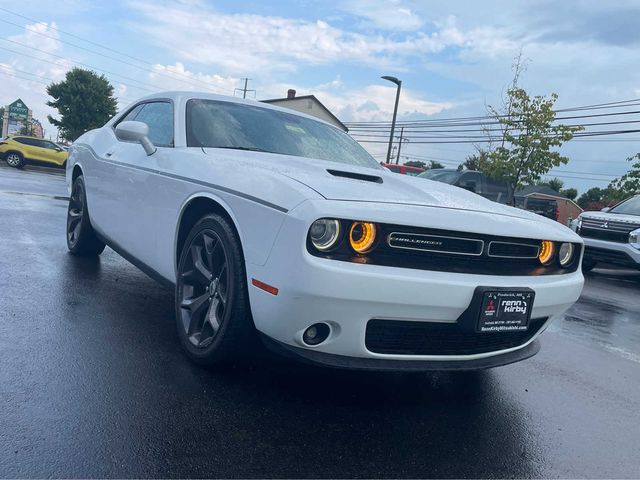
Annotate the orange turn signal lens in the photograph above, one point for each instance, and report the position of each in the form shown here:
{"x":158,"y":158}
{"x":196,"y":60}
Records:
{"x":362,"y":236}
{"x":546,"y":252}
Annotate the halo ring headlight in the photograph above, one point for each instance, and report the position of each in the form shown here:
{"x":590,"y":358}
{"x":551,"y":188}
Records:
{"x":547,"y":249}
{"x":362,"y":236}
{"x":565,"y":254}
{"x":324,"y":234}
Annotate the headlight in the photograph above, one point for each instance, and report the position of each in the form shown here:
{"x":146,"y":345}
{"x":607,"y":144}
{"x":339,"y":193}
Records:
{"x":634,"y":238}
{"x":565,"y":254}
{"x":546,"y":252}
{"x":362,"y":236}
{"x":324,"y":234}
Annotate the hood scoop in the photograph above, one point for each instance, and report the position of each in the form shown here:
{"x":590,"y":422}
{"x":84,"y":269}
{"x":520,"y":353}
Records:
{"x":355,"y":176}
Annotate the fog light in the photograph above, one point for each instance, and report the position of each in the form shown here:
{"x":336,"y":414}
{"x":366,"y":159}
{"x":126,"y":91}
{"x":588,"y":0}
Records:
{"x":316,"y":334}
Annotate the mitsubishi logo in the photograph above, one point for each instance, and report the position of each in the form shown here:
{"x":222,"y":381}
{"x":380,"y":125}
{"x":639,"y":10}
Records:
{"x":605,"y":225}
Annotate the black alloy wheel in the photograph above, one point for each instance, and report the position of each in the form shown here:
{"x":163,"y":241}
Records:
{"x":204,"y":282}
{"x":81,"y":238}
{"x":212,"y":312}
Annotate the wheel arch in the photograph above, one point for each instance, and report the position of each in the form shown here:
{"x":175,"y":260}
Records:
{"x":77,"y":171}
{"x":195,"y":208}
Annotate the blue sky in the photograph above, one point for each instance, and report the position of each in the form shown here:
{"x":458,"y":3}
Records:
{"x":453,"y":57}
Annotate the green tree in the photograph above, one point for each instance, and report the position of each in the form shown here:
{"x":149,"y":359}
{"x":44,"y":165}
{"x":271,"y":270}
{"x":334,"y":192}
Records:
{"x":475,"y":161}
{"x":26,"y":130}
{"x":521,"y":152}
{"x":629,"y":183}
{"x":596,"y":198}
{"x":84,"y":100}
{"x":434,"y":164}
{"x":416,"y":163}
{"x":555,"y":184}
{"x":570,"y":193}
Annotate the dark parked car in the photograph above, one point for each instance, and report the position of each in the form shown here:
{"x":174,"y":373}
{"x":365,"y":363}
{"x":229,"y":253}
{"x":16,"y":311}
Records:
{"x":404,"y":169}
{"x":473,"y":181}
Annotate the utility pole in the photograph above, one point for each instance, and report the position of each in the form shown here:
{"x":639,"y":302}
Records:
{"x":244,"y":90}
{"x":400,"y":145}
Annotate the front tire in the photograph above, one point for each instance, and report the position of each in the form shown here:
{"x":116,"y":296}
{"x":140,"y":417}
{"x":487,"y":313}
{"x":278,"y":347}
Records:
{"x":81,"y":238}
{"x":15,"y":160}
{"x":213,"y":317}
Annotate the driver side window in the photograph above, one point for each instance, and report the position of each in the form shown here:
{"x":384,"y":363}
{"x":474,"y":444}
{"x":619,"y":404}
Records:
{"x":159,"y":118}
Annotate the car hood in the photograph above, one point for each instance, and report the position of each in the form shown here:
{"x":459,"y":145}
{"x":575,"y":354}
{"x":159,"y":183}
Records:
{"x":351,"y":184}
{"x":337,"y":181}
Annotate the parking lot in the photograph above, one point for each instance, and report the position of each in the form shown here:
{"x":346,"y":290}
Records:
{"x":93,"y":383}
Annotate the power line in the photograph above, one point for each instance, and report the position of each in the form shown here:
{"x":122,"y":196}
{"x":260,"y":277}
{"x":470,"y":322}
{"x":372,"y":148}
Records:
{"x":74,"y":63}
{"x":188,"y":80}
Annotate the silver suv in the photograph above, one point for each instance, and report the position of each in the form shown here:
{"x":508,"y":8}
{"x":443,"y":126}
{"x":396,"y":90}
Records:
{"x":611,"y":236}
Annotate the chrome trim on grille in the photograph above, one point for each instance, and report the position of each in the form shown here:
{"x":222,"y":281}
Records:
{"x":512,"y":256}
{"x":479,"y":242}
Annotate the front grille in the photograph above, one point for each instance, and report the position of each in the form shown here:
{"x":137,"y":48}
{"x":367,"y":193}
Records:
{"x":610,"y":230}
{"x":513,"y":250}
{"x":436,"y":243}
{"x":453,"y":251}
{"x":428,"y":338}
{"x":609,"y":256}
{"x":608,"y":235}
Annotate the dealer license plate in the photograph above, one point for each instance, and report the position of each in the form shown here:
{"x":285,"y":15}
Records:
{"x":505,"y":311}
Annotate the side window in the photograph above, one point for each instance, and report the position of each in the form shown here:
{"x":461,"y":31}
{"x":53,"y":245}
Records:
{"x":471,"y":181}
{"x":159,"y":118}
{"x":28,"y":141}
{"x":132,"y":113}
{"x":497,"y":191}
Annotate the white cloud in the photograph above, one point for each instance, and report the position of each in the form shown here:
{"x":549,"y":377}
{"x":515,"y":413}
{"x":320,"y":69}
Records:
{"x":26,"y":78}
{"x":388,"y":15}
{"x":240,"y":42}
{"x":177,"y":77}
{"x":370,"y":103}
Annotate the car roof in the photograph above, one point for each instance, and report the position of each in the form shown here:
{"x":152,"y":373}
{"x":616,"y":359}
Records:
{"x":184,"y":96}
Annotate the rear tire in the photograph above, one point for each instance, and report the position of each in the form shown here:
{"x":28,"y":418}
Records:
{"x":15,"y":160}
{"x":81,"y":237}
{"x":213,"y":317}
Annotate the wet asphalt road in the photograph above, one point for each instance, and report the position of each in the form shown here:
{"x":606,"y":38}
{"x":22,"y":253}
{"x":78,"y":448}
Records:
{"x":93,"y":383}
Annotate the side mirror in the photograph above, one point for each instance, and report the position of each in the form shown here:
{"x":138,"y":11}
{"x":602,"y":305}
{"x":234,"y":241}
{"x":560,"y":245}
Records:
{"x":605,"y":209}
{"x":137,"y":132}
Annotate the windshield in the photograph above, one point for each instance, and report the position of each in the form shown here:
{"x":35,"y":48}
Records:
{"x":217,"y":124}
{"x":628,"y":207}
{"x":441,"y":175}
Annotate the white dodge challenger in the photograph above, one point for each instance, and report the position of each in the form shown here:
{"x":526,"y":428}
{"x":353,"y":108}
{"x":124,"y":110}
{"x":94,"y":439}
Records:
{"x":273,"y":224}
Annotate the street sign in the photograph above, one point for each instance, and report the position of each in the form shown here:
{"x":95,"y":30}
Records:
{"x":18,"y":110}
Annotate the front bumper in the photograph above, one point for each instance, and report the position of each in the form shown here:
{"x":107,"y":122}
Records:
{"x":383,"y":364}
{"x":346,"y":296}
{"x":611,"y":253}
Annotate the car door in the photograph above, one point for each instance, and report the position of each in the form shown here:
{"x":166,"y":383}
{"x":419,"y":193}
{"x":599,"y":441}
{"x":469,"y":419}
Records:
{"x":135,"y":185}
{"x":30,"y":149}
{"x":49,"y":152}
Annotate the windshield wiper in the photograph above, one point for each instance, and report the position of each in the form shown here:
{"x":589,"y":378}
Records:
{"x":250,"y":149}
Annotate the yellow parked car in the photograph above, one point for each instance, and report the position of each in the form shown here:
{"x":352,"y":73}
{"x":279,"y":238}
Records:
{"x":17,"y":150}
